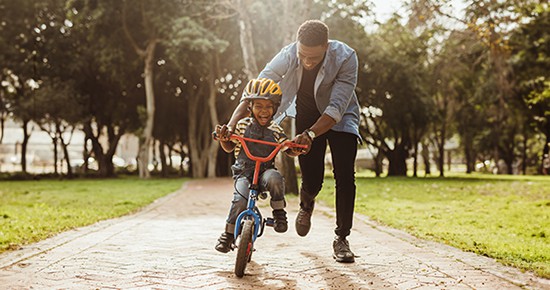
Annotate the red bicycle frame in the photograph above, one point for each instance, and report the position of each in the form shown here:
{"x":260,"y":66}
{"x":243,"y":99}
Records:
{"x":260,"y":160}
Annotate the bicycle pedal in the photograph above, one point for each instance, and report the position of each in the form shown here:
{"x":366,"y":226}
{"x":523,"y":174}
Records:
{"x":263,"y":195}
{"x":270,"y":222}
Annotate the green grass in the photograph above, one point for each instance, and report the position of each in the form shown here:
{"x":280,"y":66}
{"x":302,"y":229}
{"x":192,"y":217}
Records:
{"x":34,"y":210}
{"x":504,"y":217}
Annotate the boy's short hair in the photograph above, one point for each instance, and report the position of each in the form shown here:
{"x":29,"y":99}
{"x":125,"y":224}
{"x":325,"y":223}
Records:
{"x":312,"y":33}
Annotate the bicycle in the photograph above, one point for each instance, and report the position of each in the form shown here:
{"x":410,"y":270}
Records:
{"x":250,"y":224}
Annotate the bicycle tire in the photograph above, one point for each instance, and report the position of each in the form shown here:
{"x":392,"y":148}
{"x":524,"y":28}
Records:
{"x":244,"y":248}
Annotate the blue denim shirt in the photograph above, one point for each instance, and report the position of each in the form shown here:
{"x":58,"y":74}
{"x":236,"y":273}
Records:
{"x":334,"y":88}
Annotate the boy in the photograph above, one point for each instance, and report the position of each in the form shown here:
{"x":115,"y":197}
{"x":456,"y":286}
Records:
{"x":263,"y":97}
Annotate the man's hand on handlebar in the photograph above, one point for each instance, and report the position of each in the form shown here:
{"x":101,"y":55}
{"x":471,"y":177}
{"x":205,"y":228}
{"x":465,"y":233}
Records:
{"x":224,"y":132}
{"x":304,"y":140}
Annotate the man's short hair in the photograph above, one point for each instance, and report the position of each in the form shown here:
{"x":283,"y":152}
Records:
{"x":312,"y":33}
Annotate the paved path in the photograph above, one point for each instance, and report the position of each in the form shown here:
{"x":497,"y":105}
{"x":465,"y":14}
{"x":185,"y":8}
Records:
{"x":169,"y":245}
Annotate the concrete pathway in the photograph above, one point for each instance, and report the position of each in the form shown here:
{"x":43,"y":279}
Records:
{"x":170,"y":245}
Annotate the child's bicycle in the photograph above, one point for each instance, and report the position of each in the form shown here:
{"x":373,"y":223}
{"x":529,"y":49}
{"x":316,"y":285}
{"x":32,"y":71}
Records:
{"x":250,"y":224}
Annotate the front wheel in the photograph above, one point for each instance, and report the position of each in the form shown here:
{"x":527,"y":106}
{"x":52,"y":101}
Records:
{"x":245,"y":247}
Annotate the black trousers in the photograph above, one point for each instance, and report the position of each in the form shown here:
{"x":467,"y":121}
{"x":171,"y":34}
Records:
{"x":343,"y":148}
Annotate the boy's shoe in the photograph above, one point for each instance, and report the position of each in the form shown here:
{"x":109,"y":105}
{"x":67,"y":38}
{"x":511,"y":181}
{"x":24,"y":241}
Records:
{"x":281,"y":224}
{"x":225,"y":242}
{"x":342,"y":253}
{"x":303,"y":222}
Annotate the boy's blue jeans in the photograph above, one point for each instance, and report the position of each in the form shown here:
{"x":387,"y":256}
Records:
{"x":270,"y":180}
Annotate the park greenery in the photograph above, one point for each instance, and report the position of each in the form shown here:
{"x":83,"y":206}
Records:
{"x":34,"y":210}
{"x":168,"y":71}
{"x":502,"y":217}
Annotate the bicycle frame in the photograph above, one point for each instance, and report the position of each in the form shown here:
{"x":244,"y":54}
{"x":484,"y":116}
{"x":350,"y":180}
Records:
{"x":254,"y":187}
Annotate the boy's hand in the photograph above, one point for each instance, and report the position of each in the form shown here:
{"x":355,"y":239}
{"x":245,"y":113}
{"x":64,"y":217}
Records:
{"x":224,"y":132}
{"x":304,"y":140}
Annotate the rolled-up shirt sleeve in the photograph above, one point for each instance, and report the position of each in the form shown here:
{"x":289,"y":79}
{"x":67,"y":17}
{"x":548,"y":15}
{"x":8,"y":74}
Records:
{"x":343,"y":88}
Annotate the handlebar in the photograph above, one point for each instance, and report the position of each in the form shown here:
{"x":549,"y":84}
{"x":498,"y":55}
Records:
{"x":278,"y":146}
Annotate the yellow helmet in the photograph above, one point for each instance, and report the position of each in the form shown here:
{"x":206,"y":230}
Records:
{"x":265,"y":89}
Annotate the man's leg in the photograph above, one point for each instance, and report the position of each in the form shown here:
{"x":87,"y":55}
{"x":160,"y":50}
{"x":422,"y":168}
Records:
{"x":343,"y":147}
{"x":312,"y":166}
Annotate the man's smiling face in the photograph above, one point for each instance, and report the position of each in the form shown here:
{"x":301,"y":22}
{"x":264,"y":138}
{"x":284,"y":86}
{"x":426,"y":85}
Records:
{"x":310,"y":56}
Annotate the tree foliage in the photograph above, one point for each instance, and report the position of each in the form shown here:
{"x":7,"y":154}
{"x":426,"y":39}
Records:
{"x":83,"y":64}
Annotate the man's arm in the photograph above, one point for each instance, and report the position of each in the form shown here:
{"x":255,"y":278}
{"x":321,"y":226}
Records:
{"x":240,"y":112}
{"x":225,"y":131}
{"x":323,"y":124}
{"x":343,"y":89}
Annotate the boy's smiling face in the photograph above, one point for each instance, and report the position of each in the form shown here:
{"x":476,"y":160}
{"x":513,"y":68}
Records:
{"x":263,"y":111}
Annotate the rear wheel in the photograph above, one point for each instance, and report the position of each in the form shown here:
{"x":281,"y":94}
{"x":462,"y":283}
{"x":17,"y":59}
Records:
{"x":245,"y":247}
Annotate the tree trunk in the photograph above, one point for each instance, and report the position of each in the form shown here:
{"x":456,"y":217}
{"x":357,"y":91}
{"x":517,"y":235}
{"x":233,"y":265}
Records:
{"x":194,"y":113}
{"x":441,"y":155}
{"x":426,"y":158}
{"x":54,"y":132}
{"x":415,"y":159}
{"x":147,"y":137}
{"x":153,"y":158}
{"x":26,"y":137}
{"x":64,"y":146}
{"x":67,"y":158}
{"x":106,"y":167}
{"x":213,"y":147}
{"x":170,"y":153}
{"x":545,"y":151}
{"x":378,"y":164}
{"x":2,"y":126}
{"x":86,"y":155}
{"x":524,"y":153}
{"x":55,"y":155}
{"x":104,"y":159}
{"x":397,"y":159}
{"x":147,"y":55}
{"x":182,"y":157}
{"x":163,"y":164}
{"x":247,"y":43}
{"x":201,"y":113}
{"x":468,"y":153}
{"x":449,"y":160}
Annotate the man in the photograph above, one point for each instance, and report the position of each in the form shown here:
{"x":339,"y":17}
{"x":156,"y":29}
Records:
{"x":319,"y":76}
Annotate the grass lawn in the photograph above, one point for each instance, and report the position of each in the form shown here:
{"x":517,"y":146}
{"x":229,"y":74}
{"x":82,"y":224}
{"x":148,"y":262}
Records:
{"x":504,"y":217}
{"x":34,"y":210}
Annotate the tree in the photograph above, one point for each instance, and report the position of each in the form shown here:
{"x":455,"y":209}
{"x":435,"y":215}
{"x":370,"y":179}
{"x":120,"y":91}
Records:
{"x":147,"y":53}
{"x":18,"y":43}
{"x":58,"y":114}
{"x":109,"y":83}
{"x":531,"y":59}
{"x":395,"y":67}
{"x":490,"y":23}
{"x":56,"y":109}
